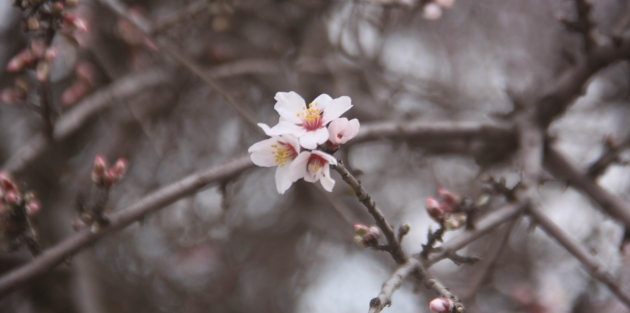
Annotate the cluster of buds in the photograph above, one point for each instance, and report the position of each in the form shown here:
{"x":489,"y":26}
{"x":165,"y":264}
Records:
{"x":16,"y":210}
{"x":449,"y":211}
{"x":433,"y":9}
{"x":366,"y":236}
{"x":45,"y":17}
{"x":82,"y":86}
{"x":102,"y":176}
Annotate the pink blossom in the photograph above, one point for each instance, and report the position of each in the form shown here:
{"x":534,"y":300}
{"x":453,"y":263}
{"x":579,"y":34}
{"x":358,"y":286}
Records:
{"x":341,"y":130}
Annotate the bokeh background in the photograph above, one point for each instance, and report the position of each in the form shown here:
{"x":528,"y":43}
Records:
{"x":241,"y":247}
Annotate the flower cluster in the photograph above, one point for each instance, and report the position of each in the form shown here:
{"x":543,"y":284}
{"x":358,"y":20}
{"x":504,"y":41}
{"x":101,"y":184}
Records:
{"x":16,"y":210}
{"x":449,"y":211}
{"x":432,"y":10}
{"x":300,"y":141}
{"x":44,"y":18}
{"x":104,"y":177}
{"x":366,"y":236}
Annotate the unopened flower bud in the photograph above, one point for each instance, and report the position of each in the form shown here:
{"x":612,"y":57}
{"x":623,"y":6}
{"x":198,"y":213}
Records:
{"x":12,"y":197}
{"x":6,"y":183}
{"x":42,"y":72}
{"x":432,"y":11}
{"x":449,"y":196}
{"x":38,"y":48}
{"x":441,"y":305}
{"x":33,"y":207}
{"x":445,"y":3}
{"x":403,"y":230}
{"x":33,"y":23}
{"x":118,"y":171}
{"x":361,"y":230}
{"x":434,"y":209}
{"x":75,"y":93}
{"x":51,"y":54}
{"x":100,"y":164}
{"x":57,"y":8}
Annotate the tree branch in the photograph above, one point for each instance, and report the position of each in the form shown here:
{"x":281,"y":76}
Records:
{"x":592,"y":265}
{"x":384,"y":298}
{"x":71,"y":121}
{"x":121,"y":219}
{"x":561,"y":167}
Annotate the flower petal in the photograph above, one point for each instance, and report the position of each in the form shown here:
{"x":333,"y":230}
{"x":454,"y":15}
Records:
{"x":351,"y":130}
{"x":292,"y":140}
{"x":311,"y":139}
{"x":284,"y":128}
{"x":289,"y":105}
{"x":327,"y":182}
{"x":298,"y":166}
{"x":283,"y":178}
{"x":322,"y":101}
{"x":262,"y":152}
{"x":335,"y":128}
{"x":329,"y":158}
{"x":265,"y":128}
{"x":335,"y":108}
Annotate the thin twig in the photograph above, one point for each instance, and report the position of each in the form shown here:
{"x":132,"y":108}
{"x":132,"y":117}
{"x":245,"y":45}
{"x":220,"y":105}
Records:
{"x":381,"y":222}
{"x":384,"y":298}
{"x":165,"y":45}
{"x":179,"y":16}
{"x":592,"y":265}
{"x":121,"y":219}
{"x":71,"y":121}
{"x":610,"y":156}
{"x":561,"y":167}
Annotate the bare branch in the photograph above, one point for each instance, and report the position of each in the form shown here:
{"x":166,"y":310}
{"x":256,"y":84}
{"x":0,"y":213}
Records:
{"x":384,"y":298}
{"x":71,"y":121}
{"x":610,"y":156}
{"x":561,"y":167}
{"x":592,"y":265}
{"x":381,"y":222}
{"x":165,"y":45}
{"x":121,"y":219}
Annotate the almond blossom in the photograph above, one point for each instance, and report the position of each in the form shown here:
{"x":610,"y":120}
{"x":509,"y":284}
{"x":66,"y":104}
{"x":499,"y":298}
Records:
{"x":308,"y":124}
{"x":341,"y":131}
{"x":278,"y":151}
{"x":313,"y":166}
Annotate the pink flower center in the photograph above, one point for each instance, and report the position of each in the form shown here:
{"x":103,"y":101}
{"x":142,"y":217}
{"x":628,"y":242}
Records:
{"x":315,"y":164}
{"x":284,"y":153}
{"x":311,"y":117}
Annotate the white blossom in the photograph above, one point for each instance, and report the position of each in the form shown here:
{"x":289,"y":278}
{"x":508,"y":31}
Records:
{"x":308,"y":124}
{"x":313,"y":166}
{"x":280,"y":151}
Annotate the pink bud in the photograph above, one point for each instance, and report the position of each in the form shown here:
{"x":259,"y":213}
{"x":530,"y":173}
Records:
{"x":15,"y":65}
{"x":120,"y":168}
{"x":51,"y":54}
{"x":434,"y":209}
{"x":12,"y":197}
{"x":432,"y":11}
{"x":75,"y":22}
{"x":86,"y":71}
{"x":449,"y":196}
{"x":361,"y":230}
{"x":6,"y":183}
{"x":100,"y":164}
{"x":440,"y":305}
{"x":445,"y":3}
{"x":33,"y":207}
{"x":38,"y":48}
{"x":341,"y":130}
{"x":57,"y":8}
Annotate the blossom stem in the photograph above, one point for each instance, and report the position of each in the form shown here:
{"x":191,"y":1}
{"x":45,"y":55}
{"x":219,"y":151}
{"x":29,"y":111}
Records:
{"x":381,"y":222}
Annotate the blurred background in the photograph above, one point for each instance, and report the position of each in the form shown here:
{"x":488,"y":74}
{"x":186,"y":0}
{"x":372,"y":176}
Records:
{"x":242,"y":247}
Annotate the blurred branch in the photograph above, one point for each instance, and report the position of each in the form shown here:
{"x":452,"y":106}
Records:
{"x":592,"y":265}
{"x":610,"y":156}
{"x":584,"y":24}
{"x":169,"y":48}
{"x":121,"y":219}
{"x":71,"y":121}
{"x":179,"y":16}
{"x":561,"y":167}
